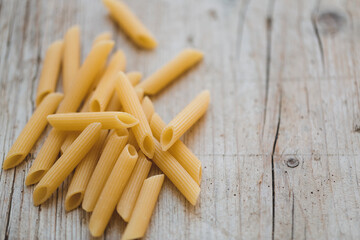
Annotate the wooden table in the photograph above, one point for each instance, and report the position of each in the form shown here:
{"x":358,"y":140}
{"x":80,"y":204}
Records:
{"x":280,"y":143}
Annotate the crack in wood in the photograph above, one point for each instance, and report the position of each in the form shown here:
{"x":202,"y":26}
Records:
{"x":317,"y":34}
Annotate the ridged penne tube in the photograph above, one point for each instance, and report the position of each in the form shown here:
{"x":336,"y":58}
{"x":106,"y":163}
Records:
{"x":144,"y":208}
{"x":179,"y":150}
{"x":66,"y":163}
{"x":46,"y":157}
{"x":139,"y":93}
{"x":112,"y":191}
{"x":85,"y":76}
{"x":184,"y":120}
{"x":131,"y":25}
{"x":105,"y":88}
{"x":148,"y":108}
{"x":50,"y":71}
{"x":70,"y":138}
{"x":106,"y":36}
{"x":132,"y":140}
{"x":32,"y":131}
{"x":176,"y":173}
{"x":83,"y":173}
{"x":131,"y":104}
{"x":131,"y":192}
{"x":170,"y":71}
{"x":113,"y":146}
{"x":79,"y":121}
{"x":114,"y":103}
{"x":71,"y":58}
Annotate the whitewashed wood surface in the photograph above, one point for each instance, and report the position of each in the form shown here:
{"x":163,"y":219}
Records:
{"x":280,"y":143}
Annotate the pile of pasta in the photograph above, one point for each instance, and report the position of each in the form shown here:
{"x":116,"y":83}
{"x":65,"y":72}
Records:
{"x":111,"y":142}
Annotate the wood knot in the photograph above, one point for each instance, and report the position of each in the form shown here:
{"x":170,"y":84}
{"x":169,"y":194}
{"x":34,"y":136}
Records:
{"x":213,"y":14}
{"x":292,"y":162}
{"x":331,"y":22}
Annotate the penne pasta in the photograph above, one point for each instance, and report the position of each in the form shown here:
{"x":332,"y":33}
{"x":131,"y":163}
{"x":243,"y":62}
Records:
{"x":178,"y":150}
{"x":66,"y":163}
{"x":131,"y":192}
{"x":184,"y":120}
{"x":70,"y":138}
{"x":170,"y":71}
{"x":79,"y":121}
{"x":113,"y":146}
{"x":83,"y":173}
{"x":176,"y":173}
{"x":102,"y":37}
{"x":71,"y":58}
{"x":112,"y":191}
{"x":139,"y":93}
{"x":50,"y":71}
{"x":132,"y":140}
{"x":144,"y":208}
{"x":130,"y":24}
{"x":131,"y":104}
{"x":46,"y":157}
{"x":85,"y":76}
{"x":105,"y":88}
{"x":114,"y":103}
{"x":148,"y":108}
{"x":32,"y":131}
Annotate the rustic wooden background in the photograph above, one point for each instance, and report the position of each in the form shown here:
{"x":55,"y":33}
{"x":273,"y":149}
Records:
{"x":280,"y":143}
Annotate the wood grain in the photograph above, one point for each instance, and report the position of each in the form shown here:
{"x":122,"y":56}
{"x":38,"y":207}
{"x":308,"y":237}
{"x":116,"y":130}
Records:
{"x":280,"y":144}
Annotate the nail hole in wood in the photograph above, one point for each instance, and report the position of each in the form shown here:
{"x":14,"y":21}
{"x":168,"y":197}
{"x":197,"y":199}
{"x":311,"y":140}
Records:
{"x":292,"y":162}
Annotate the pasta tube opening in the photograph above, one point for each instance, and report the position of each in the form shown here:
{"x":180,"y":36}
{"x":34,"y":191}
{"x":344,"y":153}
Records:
{"x":13,"y":160}
{"x":40,"y":195}
{"x":167,"y":137}
{"x":73,"y":201}
{"x":95,"y":106}
{"x":34,"y":177}
{"x":148,"y":145}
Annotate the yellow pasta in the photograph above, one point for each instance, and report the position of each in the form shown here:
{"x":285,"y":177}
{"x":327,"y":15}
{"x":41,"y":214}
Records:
{"x":70,"y":138}
{"x":179,"y":150}
{"x":105,"y":88}
{"x":169,"y":72}
{"x":79,"y":121}
{"x":114,"y":103}
{"x":85,"y":76}
{"x":130,"y":24}
{"x":144,"y":208}
{"x":101,"y":37}
{"x":46,"y":157}
{"x":50,"y":71}
{"x":176,"y":173}
{"x":148,"y":108}
{"x":32,"y":131}
{"x":83,"y":173}
{"x":131,"y":104}
{"x":184,"y":120}
{"x":114,"y":144}
{"x":132,"y":140}
{"x":66,"y":163}
{"x":71,"y":58}
{"x":139,"y":93}
{"x":131,"y":192}
{"x":112,"y":191}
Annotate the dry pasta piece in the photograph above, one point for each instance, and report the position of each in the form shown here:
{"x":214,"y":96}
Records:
{"x":85,"y":76}
{"x":144,"y":208}
{"x":32,"y":131}
{"x":46,"y":157}
{"x":184,"y":120}
{"x":148,"y":108}
{"x":79,"y":121}
{"x":50,"y":71}
{"x":101,"y":37}
{"x":131,"y":104}
{"x":139,"y":93}
{"x":131,"y":192}
{"x":130,"y":24}
{"x":179,"y":150}
{"x":176,"y":173}
{"x":105,"y":88}
{"x":71,"y":58}
{"x":113,"y":146}
{"x":70,"y":138}
{"x":71,"y":103}
{"x":112,"y":191}
{"x":114,"y":103}
{"x":170,"y":71}
{"x":132,"y":140}
{"x":66,"y":163}
{"x":83,"y":173}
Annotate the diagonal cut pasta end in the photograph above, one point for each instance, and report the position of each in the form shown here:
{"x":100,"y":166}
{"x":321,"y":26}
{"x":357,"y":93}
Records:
{"x":167,"y":138}
{"x":147,"y":146}
{"x":73,"y":200}
{"x":126,"y":120}
{"x":40,"y":195}
{"x":13,"y":160}
{"x":34,"y":177}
